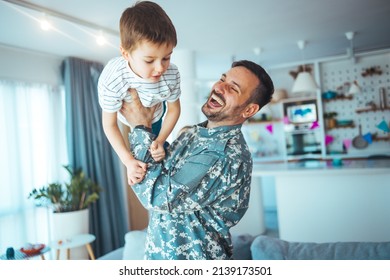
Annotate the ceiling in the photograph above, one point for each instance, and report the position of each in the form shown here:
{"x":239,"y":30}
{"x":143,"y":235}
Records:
{"x":211,"y":28}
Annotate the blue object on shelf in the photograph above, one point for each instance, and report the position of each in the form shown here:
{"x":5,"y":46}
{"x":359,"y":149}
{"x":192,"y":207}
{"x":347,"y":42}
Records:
{"x":329,"y":94}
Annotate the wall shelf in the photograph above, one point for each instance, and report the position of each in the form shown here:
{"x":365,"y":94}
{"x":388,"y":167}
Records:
{"x":377,"y":139}
{"x":252,"y":121}
{"x":365,"y":110}
{"x":338,"y":98}
{"x":341,"y":126}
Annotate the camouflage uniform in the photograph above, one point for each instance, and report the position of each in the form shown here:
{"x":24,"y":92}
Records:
{"x":196,"y":194}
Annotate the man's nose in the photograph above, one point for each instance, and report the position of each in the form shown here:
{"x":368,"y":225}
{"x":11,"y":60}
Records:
{"x":220,"y":87}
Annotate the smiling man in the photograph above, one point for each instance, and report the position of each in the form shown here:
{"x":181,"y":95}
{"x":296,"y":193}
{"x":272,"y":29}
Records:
{"x":202,"y":187}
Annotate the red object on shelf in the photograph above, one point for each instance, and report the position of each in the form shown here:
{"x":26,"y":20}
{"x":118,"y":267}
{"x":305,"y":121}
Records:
{"x":35,"y":249}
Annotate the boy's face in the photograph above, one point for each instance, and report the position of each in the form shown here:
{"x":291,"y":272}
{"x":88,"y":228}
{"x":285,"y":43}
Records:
{"x":148,"y":60}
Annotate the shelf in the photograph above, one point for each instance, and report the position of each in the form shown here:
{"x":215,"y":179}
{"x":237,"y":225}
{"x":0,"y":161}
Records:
{"x":337,"y":98}
{"x":365,"y":110}
{"x":377,"y":139}
{"x":341,"y":126}
{"x":263,"y":122}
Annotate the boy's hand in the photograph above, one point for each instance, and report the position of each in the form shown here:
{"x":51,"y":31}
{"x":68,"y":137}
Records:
{"x":157,"y":151}
{"x":136,"y":171}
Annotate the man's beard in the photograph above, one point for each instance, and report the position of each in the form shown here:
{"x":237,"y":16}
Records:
{"x":221,"y":115}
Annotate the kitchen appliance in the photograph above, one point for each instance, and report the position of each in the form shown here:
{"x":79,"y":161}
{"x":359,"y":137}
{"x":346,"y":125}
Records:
{"x":301,"y":136}
{"x":359,"y":142}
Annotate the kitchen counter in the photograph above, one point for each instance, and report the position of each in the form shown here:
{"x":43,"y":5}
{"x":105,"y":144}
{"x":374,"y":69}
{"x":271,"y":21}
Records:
{"x":309,"y":167}
{"x":319,"y":202}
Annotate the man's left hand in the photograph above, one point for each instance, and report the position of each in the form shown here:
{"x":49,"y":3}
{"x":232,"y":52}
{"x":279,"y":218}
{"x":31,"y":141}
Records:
{"x":135,"y":113}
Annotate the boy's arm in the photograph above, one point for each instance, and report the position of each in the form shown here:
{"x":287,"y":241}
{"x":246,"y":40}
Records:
{"x":170,"y":120}
{"x":135,"y":169}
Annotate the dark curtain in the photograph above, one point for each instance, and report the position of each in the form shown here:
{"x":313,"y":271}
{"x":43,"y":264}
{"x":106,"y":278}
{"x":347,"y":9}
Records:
{"x":89,"y":149}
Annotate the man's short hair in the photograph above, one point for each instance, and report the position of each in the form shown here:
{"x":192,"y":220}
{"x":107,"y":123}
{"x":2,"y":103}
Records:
{"x":262,"y":94}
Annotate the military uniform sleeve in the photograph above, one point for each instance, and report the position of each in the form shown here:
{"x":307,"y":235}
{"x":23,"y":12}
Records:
{"x":204,"y":180}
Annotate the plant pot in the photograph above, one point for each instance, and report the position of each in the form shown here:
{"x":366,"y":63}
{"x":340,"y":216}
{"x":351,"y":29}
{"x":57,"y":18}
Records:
{"x":332,"y":123}
{"x":66,"y":225}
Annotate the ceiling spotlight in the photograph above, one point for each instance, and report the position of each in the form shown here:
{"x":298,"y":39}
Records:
{"x":257,"y":51}
{"x":45,"y":24}
{"x":349,"y":35}
{"x":101,"y":40}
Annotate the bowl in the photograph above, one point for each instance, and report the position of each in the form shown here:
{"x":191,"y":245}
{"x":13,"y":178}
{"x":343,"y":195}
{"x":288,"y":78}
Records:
{"x":329,"y":94}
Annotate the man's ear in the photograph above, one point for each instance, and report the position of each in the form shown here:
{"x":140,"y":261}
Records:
{"x":250,"y":110}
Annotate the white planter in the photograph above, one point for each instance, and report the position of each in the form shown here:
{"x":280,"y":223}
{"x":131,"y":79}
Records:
{"x":66,"y":225}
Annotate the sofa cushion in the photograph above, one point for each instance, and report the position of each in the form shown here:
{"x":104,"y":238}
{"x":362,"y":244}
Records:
{"x":134,"y":248}
{"x":242,"y":246}
{"x":269,"y":248}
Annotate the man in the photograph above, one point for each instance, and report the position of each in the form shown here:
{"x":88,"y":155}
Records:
{"x":202,"y":187}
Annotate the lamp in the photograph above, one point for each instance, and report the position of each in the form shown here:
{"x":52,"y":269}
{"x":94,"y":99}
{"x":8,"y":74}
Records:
{"x":350,"y":52}
{"x":304,"y":83}
{"x":354,"y":89}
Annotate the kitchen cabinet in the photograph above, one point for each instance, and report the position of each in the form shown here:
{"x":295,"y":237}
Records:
{"x":323,"y":203}
{"x":271,"y":140}
{"x":352,"y":110}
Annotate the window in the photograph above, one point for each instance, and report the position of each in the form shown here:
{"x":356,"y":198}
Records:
{"x":33,"y":150}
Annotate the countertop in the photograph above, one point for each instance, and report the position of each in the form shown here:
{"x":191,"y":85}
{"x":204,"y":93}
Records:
{"x":368,"y":166}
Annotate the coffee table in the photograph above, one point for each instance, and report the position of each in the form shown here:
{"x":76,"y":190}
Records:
{"x":75,"y":241}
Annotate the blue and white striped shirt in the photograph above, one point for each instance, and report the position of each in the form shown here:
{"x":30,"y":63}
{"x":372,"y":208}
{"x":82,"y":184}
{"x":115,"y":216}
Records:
{"x":117,"y":77}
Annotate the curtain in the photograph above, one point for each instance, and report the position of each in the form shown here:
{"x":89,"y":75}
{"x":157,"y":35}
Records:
{"x":32,"y":152}
{"x":89,"y":149}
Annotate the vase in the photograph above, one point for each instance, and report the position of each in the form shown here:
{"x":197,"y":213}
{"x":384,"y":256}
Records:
{"x":64,"y":226}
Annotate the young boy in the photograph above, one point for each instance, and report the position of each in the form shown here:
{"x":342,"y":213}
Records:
{"x":147,"y":41}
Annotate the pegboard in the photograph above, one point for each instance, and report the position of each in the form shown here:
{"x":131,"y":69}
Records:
{"x":372,"y":73}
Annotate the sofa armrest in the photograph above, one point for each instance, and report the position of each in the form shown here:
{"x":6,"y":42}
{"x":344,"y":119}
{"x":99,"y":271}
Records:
{"x":113,"y":255}
{"x":269,"y":248}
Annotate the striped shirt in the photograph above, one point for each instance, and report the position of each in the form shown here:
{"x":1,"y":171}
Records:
{"x":117,"y":77}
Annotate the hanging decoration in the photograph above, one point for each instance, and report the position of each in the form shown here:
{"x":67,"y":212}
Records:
{"x":347,"y":143}
{"x":328,"y":139}
{"x":270,"y":128}
{"x":383,"y":126}
{"x":368,"y":137}
{"x":314,"y":125}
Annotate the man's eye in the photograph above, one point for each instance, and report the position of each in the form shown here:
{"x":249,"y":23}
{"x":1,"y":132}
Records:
{"x":234,"y":89}
{"x":149,"y":61}
{"x":166,"y":58}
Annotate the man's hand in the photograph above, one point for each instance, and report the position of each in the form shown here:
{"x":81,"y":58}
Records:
{"x":135,"y":113}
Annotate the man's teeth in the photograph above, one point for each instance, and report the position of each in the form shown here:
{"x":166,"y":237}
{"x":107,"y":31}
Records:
{"x":219,"y":100}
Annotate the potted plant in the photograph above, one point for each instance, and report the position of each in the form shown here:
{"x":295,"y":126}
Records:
{"x":78,"y":194}
{"x":69,"y":203}
{"x":330,"y":121}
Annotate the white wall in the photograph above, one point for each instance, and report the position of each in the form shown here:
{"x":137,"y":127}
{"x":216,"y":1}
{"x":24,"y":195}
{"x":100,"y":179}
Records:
{"x":28,"y":66}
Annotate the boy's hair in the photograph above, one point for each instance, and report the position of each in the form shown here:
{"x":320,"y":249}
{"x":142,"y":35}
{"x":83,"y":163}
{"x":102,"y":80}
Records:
{"x":263,"y":92}
{"x":146,"y":20}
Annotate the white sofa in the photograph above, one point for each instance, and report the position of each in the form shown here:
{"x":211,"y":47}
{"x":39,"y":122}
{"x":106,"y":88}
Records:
{"x":261,"y":247}
{"x":135,"y":245}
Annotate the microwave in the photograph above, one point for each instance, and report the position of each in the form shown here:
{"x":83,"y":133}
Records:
{"x":301,"y":112}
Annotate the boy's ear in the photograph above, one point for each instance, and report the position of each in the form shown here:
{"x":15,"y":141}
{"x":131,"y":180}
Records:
{"x":250,"y":110}
{"x":124,"y":53}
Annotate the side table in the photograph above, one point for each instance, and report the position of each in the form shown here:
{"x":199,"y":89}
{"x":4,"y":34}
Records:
{"x":75,"y":241}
